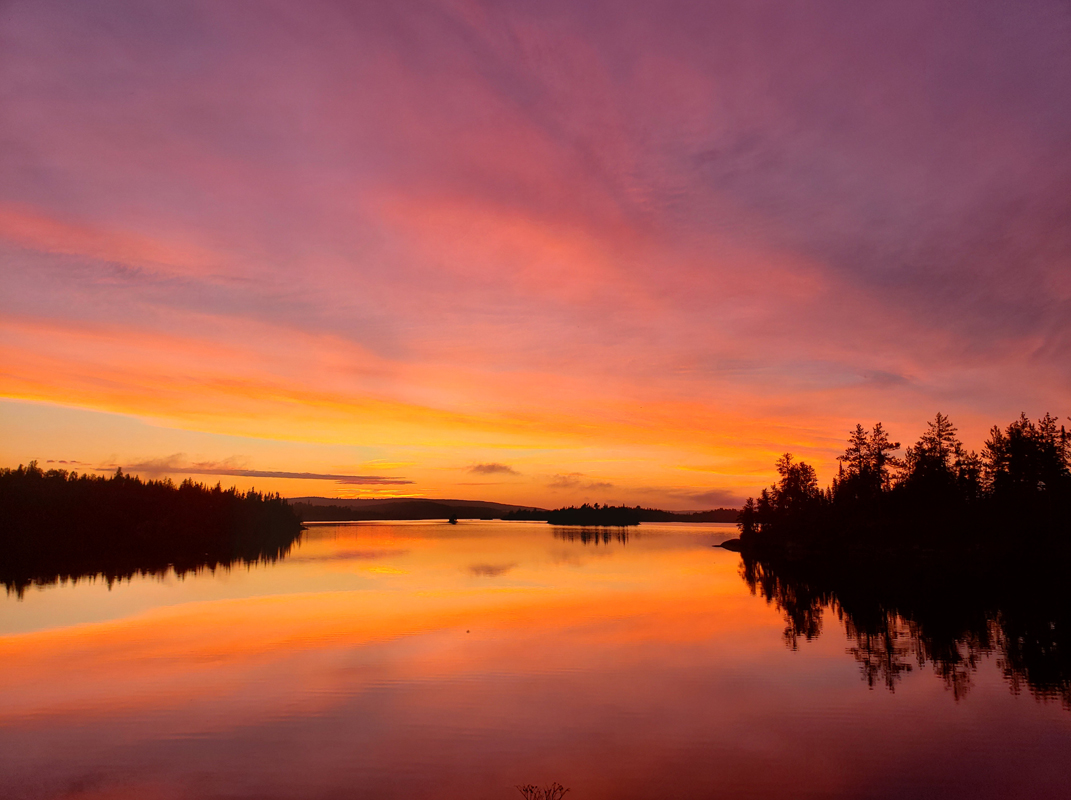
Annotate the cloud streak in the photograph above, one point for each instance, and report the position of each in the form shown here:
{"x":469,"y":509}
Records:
{"x":577,"y":480}
{"x":493,"y":468}
{"x":176,"y":465}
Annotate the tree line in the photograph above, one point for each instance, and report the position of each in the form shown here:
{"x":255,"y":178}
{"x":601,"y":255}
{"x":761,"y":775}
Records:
{"x":936,"y":493}
{"x":60,"y":525}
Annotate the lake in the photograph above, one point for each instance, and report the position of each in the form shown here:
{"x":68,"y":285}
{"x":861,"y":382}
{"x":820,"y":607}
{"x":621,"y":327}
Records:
{"x":427,"y":660}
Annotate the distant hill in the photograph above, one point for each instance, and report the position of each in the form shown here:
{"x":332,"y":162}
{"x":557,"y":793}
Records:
{"x":331,"y":509}
{"x":571,"y":515}
{"x":714,"y":515}
{"x":327,"y":509}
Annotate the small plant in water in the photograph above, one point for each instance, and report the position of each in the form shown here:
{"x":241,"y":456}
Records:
{"x":532,"y":792}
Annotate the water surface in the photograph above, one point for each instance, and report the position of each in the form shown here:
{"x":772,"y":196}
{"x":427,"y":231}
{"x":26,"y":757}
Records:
{"x":423,"y":660}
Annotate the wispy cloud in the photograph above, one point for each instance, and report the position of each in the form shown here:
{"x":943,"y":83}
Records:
{"x":577,"y":480}
{"x":715,"y":498}
{"x":493,"y":468}
{"x":703,"y":251}
{"x":176,"y":464}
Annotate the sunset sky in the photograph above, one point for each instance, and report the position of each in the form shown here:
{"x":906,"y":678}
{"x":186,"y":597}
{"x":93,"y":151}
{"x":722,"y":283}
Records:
{"x":536,"y":253}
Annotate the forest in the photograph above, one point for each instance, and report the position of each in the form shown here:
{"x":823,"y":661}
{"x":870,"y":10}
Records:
{"x":1015,"y":493}
{"x":60,"y":525}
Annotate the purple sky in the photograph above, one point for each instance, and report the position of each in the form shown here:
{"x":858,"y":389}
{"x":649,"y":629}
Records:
{"x":651,"y":245}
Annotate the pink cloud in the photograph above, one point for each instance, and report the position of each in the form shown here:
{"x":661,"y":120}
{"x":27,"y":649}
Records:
{"x":629,"y":222}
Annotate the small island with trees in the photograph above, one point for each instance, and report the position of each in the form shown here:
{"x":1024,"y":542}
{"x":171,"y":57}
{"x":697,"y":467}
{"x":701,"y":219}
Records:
{"x":618,"y":516}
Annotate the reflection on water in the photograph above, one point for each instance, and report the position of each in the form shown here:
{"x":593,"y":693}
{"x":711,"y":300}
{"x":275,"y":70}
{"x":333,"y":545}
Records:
{"x":418,"y":660}
{"x":591,"y":535}
{"x":119,"y":565}
{"x":949,"y":617}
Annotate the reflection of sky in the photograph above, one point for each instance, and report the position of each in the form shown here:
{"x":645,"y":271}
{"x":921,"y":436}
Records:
{"x":636,"y":670}
{"x":393,"y":562}
{"x":606,"y":239}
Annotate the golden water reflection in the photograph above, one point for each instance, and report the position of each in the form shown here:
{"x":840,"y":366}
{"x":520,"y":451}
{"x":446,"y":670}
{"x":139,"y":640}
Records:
{"x":426,"y":660}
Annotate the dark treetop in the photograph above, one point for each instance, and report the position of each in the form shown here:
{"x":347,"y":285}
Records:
{"x":938,"y":497}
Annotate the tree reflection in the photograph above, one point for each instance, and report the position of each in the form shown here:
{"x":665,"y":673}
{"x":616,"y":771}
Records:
{"x":115,"y":568}
{"x":588,"y":535}
{"x":949,"y":618}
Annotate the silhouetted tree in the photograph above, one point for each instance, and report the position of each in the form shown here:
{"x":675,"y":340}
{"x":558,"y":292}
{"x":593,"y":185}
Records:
{"x":866,"y":466}
{"x":939,"y":495}
{"x":798,"y":489}
{"x":931,"y":462}
{"x":791,"y":502}
{"x":1027,"y":459}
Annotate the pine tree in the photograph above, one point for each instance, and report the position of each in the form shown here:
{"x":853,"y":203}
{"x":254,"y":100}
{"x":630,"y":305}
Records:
{"x":880,"y":458}
{"x":932,"y":459}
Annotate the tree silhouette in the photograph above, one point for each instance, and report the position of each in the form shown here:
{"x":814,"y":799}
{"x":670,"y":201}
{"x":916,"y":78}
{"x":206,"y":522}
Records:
{"x":940,"y":494}
{"x":866,"y":465}
{"x":1027,"y":459}
{"x":798,"y":488}
{"x":931,"y":461}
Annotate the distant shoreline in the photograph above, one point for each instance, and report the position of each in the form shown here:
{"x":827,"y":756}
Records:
{"x":400,"y":510}
{"x":57,"y":525}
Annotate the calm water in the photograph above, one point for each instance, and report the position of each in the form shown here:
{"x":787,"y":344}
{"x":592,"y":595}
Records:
{"x":422,"y":660}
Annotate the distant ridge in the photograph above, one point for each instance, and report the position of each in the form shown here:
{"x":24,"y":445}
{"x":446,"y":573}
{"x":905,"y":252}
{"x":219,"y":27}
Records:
{"x":331,"y":509}
{"x":393,"y":501}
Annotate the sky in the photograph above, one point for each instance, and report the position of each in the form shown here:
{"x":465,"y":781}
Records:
{"x":538,"y":253}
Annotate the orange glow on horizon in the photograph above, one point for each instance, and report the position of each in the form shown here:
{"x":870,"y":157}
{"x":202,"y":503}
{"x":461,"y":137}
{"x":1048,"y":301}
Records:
{"x":610,"y":269}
